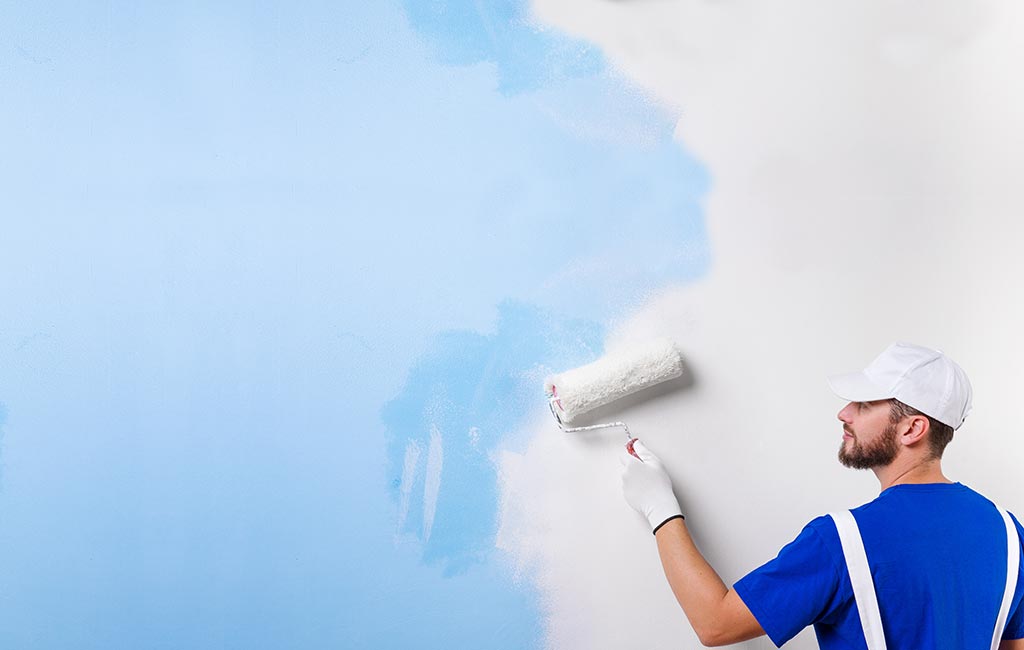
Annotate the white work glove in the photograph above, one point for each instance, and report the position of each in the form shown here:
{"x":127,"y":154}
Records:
{"x":647,"y":487}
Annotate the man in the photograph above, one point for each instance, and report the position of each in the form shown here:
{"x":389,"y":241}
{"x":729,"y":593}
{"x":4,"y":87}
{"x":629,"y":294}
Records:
{"x":941,"y":566}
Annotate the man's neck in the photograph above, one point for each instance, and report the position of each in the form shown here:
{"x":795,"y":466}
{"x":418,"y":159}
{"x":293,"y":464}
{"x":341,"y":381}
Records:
{"x":910,"y":471}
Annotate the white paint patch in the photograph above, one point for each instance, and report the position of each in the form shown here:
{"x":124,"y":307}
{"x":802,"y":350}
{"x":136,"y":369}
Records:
{"x":409,"y":466}
{"x":840,"y":139}
{"x":567,"y":529}
{"x":432,"y":484}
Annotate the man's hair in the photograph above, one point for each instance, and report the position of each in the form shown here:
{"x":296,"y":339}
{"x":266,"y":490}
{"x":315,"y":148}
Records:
{"x":939,"y":434}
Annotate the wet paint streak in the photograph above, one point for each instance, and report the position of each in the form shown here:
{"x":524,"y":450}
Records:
{"x":432,"y":482}
{"x":3,"y":421}
{"x":409,"y":467}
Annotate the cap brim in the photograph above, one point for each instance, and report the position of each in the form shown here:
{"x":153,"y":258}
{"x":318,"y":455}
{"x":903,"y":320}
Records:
{"x":856,"y":387}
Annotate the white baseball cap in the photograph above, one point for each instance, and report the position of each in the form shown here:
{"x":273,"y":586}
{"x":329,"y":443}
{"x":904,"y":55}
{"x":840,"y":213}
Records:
{"x":920,"y":377}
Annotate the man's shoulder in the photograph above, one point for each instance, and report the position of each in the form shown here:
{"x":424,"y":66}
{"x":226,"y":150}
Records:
{"x":823,"y":528}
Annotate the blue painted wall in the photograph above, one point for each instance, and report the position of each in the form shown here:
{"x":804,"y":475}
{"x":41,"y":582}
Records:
{"x":254,"y":262}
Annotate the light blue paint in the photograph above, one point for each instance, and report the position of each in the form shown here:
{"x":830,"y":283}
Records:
{"x":593,"y":248}
{"x":526,"y":57}
{"x":475,"y":389}
{"x":244,"y":249}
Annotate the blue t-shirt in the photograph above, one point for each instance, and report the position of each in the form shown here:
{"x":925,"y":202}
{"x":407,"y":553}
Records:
{"x":937,"y":554}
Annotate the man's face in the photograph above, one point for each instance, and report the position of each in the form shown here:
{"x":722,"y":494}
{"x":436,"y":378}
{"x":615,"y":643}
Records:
{"x":869,"y":435}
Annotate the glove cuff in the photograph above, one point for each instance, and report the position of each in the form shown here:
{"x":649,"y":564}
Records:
{"x":658,"y":527}
{"x":665,"y":509}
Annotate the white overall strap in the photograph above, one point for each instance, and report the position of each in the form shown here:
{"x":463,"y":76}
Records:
{"x":1012,"y":567}
{"x":860,"y":578}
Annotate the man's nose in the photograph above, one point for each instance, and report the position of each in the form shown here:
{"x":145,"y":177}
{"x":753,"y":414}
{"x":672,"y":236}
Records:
{"x":844,"y":414}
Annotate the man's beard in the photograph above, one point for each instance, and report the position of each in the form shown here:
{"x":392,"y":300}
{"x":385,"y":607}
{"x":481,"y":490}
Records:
{"x":878,"y":454}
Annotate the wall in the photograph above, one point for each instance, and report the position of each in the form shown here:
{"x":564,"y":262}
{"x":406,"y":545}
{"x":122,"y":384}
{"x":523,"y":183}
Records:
{"x":280,"y":287}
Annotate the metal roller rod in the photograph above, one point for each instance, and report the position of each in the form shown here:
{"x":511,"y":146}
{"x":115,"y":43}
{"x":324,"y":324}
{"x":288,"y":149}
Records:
{"x":592,"y":427}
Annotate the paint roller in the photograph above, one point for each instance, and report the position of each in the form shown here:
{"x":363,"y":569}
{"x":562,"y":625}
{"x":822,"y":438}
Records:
{"x":610,"y":378}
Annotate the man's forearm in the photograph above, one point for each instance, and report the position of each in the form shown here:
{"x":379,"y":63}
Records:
{"x":717,"y":615}
{"x":696,"y":585}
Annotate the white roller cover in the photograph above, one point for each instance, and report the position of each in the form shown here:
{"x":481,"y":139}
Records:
{"x":613,"y":376}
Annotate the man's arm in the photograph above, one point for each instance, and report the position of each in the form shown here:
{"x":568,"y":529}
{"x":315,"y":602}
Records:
{"x":1015,"y":644}
{"x":717,"y":614}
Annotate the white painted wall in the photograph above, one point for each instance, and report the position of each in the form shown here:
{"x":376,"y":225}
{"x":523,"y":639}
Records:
{"x":865,"y":160}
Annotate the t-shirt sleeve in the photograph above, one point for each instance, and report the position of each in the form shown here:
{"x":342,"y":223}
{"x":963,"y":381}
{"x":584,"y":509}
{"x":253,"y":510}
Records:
{"x":796,"y":589}
{"x":1015,"y":624}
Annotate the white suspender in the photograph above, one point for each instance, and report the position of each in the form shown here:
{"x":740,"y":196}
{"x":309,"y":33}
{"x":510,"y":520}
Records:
{"x":864,"y":586}
{"x":860,"y":578}
{"x":1012,"y":567}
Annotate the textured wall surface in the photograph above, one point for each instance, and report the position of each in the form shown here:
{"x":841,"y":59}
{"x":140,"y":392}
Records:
{"x":280,"y":286}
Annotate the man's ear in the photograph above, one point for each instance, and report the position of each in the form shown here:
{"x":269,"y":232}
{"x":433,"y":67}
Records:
{"x":916,"y":428}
